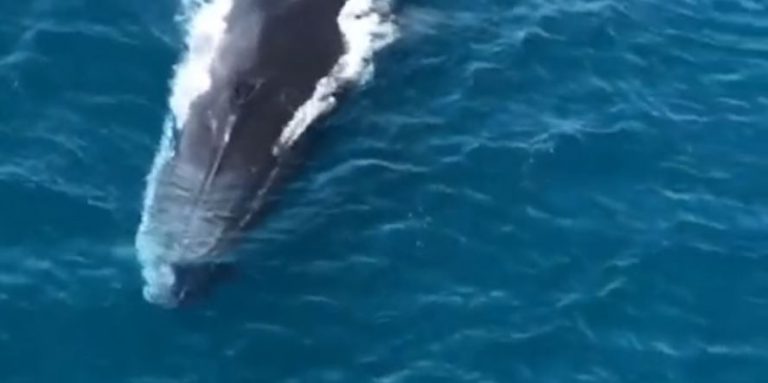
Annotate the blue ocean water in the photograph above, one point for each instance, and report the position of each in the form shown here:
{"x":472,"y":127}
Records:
{"x":526,"y":191}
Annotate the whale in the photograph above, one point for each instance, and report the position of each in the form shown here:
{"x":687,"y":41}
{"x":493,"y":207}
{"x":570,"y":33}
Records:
{"x":277,"y":67}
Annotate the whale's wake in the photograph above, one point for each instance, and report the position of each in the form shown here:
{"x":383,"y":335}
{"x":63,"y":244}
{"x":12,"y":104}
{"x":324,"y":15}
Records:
{"x":366,"y":27}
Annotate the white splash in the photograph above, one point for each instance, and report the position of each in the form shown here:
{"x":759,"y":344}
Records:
{"x":205,"y":32}
{"x":205,"y":26}
{"x":366,"y":27}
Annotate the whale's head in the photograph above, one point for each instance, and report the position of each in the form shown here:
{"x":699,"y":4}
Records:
{"x":181,"y":261}
{"x":187,"y":231}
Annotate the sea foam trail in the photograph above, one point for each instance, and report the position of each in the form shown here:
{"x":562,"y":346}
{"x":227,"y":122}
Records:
{"x":366,"y":27}
{"x":206,"y":29}
{"x":205,"y":26}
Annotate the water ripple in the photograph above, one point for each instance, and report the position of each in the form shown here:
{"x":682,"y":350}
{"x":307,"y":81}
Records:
{"x":531,"y":191}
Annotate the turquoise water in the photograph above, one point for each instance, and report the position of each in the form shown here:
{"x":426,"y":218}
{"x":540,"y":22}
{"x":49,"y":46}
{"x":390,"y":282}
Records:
{"x":529,"y":190}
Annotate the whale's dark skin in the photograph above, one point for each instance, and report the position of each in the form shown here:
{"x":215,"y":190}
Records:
{"x":224,"y":162}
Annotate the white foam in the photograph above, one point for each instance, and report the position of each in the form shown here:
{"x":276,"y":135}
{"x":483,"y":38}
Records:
{"x":366,"y":27}
{"x":206,"y":29}
{"x":205,"y":25}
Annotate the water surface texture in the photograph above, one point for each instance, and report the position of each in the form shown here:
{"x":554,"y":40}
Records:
{"x":525,"y":191}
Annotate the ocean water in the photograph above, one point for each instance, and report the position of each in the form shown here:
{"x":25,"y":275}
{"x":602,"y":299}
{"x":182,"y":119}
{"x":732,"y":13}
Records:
{"x":524,"y":191}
